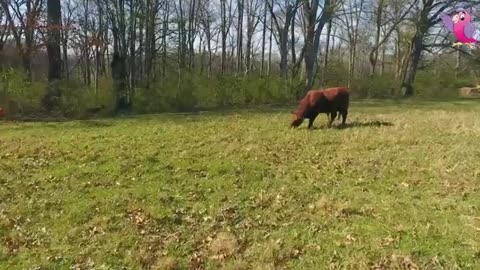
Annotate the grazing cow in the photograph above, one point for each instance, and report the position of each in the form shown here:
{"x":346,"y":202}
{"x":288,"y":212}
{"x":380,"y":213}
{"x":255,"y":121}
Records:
{"x":329,"y":101}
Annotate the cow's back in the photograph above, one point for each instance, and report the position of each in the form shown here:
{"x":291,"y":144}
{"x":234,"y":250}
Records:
{"x":330,"y":99}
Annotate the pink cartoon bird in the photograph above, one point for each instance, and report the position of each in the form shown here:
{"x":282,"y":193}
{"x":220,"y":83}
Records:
{"x":460,"y":24}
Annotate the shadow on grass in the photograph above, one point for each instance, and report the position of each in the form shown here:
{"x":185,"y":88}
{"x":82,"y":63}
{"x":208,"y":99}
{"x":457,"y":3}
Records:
{"x":95,"y":123}
{"x":58,"y":125}
{"x":357,"y":124}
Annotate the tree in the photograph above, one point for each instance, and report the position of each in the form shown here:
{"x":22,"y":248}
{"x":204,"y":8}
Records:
{"x":264,"y":31}
{"x":253,"y":19}
{"x":352,"y":16}
{"x":380,"y":21}
{"x":428,"y":16}
{"x":207,"y":19}
{"x":312,"y":35}
{"x":240,"y":7}
{"x":27,"y":13}
{"x":4,"y":32}
{"x":53,"y":49}
{"x":116,"y":11}
{"x":225,"y":29}
{"x":282,"y":26}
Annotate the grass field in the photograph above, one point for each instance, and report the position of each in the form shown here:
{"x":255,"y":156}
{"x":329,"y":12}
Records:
{"x":398,"y":189}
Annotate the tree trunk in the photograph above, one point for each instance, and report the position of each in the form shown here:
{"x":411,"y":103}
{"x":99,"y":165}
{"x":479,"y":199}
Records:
{"x":224,"y":35}
{"x":182,"y":46}
{"x":141,"y":40}
{"x":191,"y":34}
{"x":270,"y":48}
{"x":54,"y":54}
{"x":283,"y":32}
{"x":132,"y":63}
{"x":373,"y":57}
{"x":122,"y":100}
{"x":86,"y":46}
{"x":412,"y":64}
{"x":312,"y":37}
{"x":292,"y":45}
{"x":240,"y":35}
{"x":251,"y":26}
{"x":382,"y":70}
{"x":165,"y":31}
{"x":416,"y":48}
{"x":457,"y":64}
{"x":327,"y":46}
{"x":262,"y":67}
{"x":64,"y":38}
{"x":203,"y":52}
{"x":119,"y":74}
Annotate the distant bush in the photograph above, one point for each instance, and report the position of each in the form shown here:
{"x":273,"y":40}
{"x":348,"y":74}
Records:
{"x":77,"y":97}
{"x":15,"y":85}
{"x":443,"y":84}
{"x":336,"y":74}
{"x":196,"y":89}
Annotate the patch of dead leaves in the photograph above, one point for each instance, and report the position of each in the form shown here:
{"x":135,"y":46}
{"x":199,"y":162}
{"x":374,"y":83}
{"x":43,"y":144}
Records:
{"x":348,"y":241}
{"x":389,"y":241}
{"x":223,"y":245}
{"x":395,"y":262}
{"x":140,"y":219}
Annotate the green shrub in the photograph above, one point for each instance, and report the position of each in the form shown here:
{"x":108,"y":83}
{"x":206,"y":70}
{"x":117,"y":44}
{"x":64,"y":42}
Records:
{"x":444,"y":84}
{"x":16,"y":85}
{"x":185,"y":99}
{"x":335,"y":75}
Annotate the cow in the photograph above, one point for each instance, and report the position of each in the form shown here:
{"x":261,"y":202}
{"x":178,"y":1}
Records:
{"x":330,"y":101}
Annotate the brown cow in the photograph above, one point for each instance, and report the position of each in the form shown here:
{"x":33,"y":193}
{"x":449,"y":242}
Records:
{"x":329,"y":101}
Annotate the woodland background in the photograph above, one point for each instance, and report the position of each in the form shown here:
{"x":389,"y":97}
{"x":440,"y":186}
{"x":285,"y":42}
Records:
{"x":188,"y":54}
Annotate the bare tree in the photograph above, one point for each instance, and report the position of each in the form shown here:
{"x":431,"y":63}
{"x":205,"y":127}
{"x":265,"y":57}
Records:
{"x":270,"y":41}
{"x":380,"y":21}
{"x":27,"y":14}
{"x":67,"y":23}
{"x":264,"y":31}
{"x":116,"y":11}
{"x":427,"y":17}
{"x":166,"y":18}
{"x":351,"y":19}
{"x":312,"y":35}
{"x":282,"y":26}
{"x":132,"y":40}
{"x":4,"y":32}
{"x":253,"y":20}
{"x":207,"y":19}
{"x":226,"y":18}
{"x":192,"y":32}
{"x":240,"y":7}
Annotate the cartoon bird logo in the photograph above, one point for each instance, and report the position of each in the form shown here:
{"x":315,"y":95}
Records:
{"x":460,"y":24}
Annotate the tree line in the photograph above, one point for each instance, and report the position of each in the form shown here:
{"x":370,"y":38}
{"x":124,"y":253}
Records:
{"x":140,"y":44}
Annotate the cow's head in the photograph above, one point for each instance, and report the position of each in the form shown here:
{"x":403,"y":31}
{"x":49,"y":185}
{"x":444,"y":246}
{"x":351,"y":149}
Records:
{"x":296,"y":121}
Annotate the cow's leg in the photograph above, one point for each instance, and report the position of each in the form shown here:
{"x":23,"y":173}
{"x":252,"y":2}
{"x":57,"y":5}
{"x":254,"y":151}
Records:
{"x":333,"y":115}
{"x":311,"y":120}
{"x":344,"y":117}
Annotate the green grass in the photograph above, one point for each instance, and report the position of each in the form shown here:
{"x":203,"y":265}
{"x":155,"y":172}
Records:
{"x":398,"y":189}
